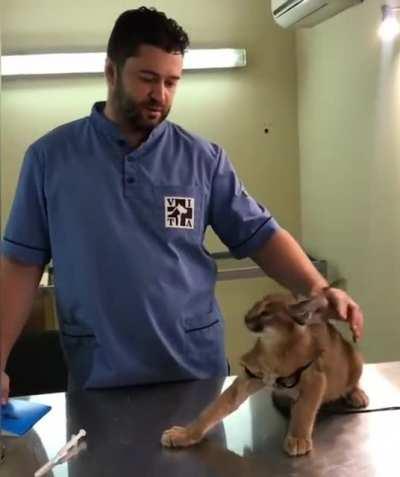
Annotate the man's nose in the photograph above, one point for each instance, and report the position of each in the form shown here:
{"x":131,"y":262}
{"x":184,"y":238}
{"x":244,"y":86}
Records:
{"x":158,"y":92}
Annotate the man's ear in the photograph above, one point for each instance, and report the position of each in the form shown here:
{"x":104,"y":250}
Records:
{"x":110,"y":71}
{"x":309,"y":311}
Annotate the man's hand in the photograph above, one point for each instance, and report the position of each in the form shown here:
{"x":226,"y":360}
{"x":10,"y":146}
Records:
{"x":282,"y":259}
{"x":347,"y":310}
{"x":5,"y":387}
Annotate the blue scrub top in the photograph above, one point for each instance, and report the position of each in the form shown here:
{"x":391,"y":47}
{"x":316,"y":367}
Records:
{"x":125,"y":228}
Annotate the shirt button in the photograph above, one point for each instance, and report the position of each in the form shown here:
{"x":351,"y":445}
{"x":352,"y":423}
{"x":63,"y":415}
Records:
{"x":130,"y":180}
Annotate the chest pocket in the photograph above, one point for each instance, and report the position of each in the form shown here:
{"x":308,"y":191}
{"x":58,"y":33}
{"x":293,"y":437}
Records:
{"x":180,"y":212}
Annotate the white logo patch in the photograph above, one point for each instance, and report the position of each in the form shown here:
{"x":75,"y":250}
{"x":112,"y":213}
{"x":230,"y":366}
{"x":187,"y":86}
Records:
{"x":179,"y":212}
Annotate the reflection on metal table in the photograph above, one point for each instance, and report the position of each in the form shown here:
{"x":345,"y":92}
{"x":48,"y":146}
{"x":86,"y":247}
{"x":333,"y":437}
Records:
{"x":124,"y":428}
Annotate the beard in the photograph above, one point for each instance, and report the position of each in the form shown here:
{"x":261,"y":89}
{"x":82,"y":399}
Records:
{"x":135,"y":113}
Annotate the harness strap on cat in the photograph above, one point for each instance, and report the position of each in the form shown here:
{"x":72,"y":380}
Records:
{"x":291,"y":381}
{"x":251,"y":374}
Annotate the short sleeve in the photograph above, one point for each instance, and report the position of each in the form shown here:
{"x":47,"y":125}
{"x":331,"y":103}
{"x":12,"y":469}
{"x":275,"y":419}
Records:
{"x":240,"y":222}
{"x":26,"y":236}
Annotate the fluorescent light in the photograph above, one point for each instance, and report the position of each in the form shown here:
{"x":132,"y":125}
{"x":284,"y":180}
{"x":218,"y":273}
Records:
{"x":78,"y":63}
{"x":389,"y":29}
{"x":390,"y":26}
{"x":218,"y":58}
{"x":52,"y":64}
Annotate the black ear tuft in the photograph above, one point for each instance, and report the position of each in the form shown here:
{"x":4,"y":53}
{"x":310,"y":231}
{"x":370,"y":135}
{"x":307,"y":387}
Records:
{"x":302,"y":317}
{"x":256,"y":322}
{"x":309,"y":311}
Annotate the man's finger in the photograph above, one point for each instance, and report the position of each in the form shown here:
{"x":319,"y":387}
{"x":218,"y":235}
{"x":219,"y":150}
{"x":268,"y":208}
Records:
{"x":341,"y":309}
{"x":356,"y":320}
{"x":339,"y":304}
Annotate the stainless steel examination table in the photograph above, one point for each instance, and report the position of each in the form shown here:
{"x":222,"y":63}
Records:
{"x":124,"y":428}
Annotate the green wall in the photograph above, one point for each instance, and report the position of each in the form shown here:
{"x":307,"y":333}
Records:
{"x":349,"y":85}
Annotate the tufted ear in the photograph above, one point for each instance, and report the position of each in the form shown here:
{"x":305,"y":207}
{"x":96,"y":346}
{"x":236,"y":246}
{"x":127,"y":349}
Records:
{"x":263,"y":312}
{"x":309,"y":311}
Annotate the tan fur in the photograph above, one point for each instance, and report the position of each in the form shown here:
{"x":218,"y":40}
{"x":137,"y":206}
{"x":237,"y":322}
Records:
{"x":290,"y":335}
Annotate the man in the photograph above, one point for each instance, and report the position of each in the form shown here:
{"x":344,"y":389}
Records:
{"x":120,"y":201}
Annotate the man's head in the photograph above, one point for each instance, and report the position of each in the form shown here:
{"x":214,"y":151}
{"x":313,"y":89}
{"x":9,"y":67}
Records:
{"x":144,"y":64}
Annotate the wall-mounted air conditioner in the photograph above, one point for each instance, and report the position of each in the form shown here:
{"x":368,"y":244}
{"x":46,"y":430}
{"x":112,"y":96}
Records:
{"x":307,"y":13}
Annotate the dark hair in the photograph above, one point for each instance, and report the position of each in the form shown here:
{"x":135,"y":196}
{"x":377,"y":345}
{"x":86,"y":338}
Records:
{"x":144,"y":26}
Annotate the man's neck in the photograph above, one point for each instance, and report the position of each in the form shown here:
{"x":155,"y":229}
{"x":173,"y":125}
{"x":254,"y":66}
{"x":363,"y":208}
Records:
{"x":134,"y":137}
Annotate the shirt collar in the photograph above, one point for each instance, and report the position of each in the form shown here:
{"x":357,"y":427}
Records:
{"x":113,"y":132}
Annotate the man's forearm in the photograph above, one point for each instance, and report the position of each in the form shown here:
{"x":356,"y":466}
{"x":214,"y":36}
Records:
{"x":18,"y":287}
{"x":282,"y":258}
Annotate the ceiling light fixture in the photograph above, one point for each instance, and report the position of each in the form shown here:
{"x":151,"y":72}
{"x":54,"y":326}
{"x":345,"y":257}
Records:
{"x":93,"y":63}
{"x":390,"y":26}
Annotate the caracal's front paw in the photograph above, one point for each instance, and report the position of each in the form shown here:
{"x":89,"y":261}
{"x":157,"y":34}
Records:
{"x":179,"y":437}
{"x":297,"y":445}
{"x":357,"y":398}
